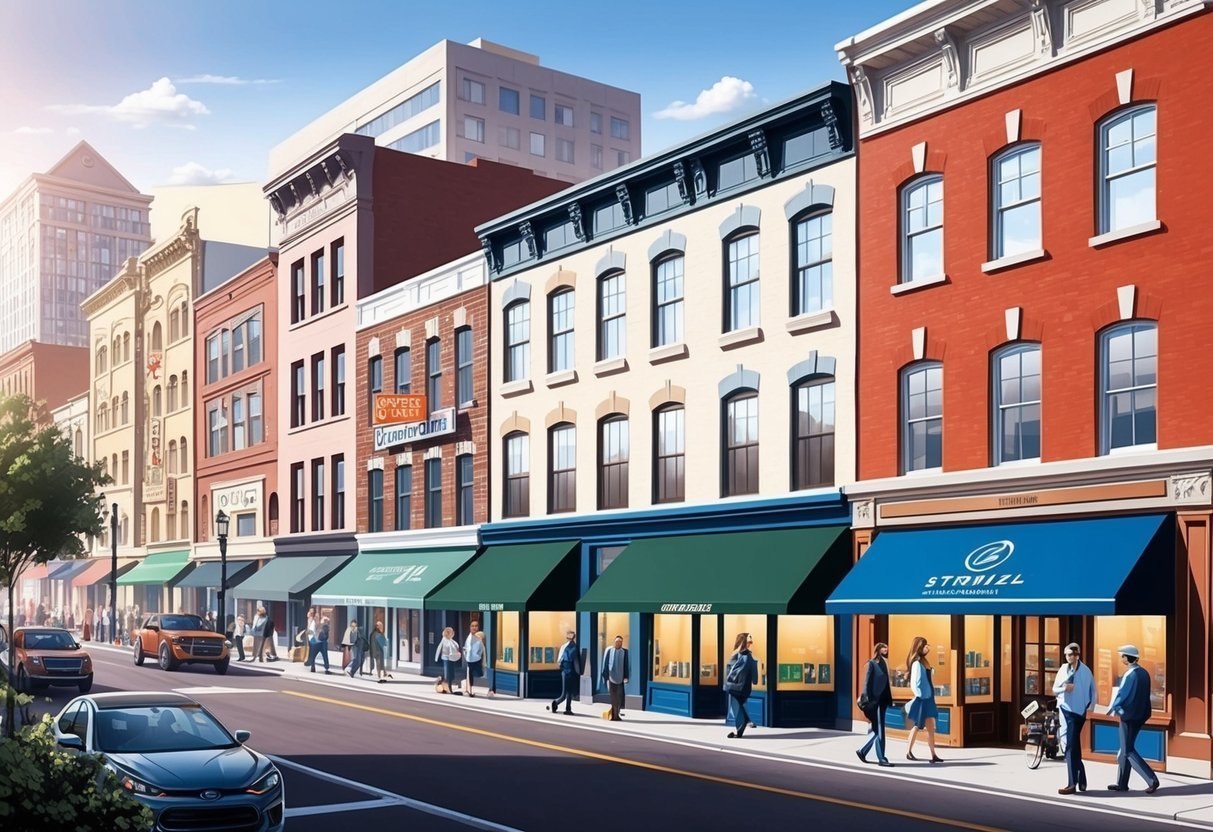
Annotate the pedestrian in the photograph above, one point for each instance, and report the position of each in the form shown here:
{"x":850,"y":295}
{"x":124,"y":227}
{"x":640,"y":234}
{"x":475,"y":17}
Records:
{"x":132,"y":621}
{"x":322,"y":646}
{"x":1132,"y":704}
{"x":236,"y":636}
{"x":271,"y":638}
{"x":357,"y":649}
{"x":379,"y":653}
{"x":71,"y":619}
{"x":473,"y":654}
{"x":448,"y":653}
{"x":569,"y":662}
{"x":740,"y":676}
{"x":615,"y":675}
{"x":258,"y":631}
{"x":921,"y":710}
{"x":89,"y":618}
{"x":1074,"y":688}
{"x":106,"y":623}
{"x":874,"y":701}
{"x":308,"y":636}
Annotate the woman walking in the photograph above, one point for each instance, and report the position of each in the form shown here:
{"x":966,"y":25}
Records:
{"x":473,"y":651}
{"x":921,"y":710}
{"x":874,"y":699}
{"x":447,"y":653}
{"x":258,"y":630}
{"x":741,"y":674}
{"x":379,"y":653}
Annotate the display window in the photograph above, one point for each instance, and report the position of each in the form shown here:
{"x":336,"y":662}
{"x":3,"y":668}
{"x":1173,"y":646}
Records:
{"x":1149,"y":634}
{"x":756,"y":626}
{"x":804,"y":655}
{"x":1006,"y":650}
{"x":672,"y":649}
{"x":546,"y":637}
{"x":1042,"y":654}
{"x":937,"y":630}
{"x":337,"y":624}
{"x":506,"y":635}
{"x":709,"y":650}
{"x":979,"y":658}
{"x":408,"y":636}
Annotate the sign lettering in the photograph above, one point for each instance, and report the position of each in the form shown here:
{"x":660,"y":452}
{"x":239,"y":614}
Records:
{"x":493,"y":607}
{"x":440,"y":423}
{"x":983,"y":580}
{"x":686,"y":607}
{"x":396,"y":409}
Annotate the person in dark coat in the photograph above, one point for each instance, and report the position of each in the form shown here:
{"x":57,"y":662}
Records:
{"x":874,"y":699}
{"x":1132,"y":704}
{"x":570,"y":673}
{"x":739,"y":696}
{"x":322,"y":646}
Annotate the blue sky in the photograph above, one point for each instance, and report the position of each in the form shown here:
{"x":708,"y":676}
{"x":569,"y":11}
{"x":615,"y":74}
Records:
{"x":94,"y":70}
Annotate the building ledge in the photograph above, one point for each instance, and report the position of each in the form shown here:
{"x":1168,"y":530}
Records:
{"x":921,"y":283}
{"x":1014,"y":260}
{"x":810,"y":320}
{"x":1125,"y":233}
{"x":738,"y":337}
{"x":610,"y":366}
{"x":669,"y":352}
{"x":560,"y":377}
{"x":516,"y":388}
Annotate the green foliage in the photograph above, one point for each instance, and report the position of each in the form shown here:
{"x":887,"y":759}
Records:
{"x":43,"y":787}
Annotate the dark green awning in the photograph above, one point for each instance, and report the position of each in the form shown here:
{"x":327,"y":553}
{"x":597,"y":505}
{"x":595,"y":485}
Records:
{"x":206,"y":574}
{"x":521,"y":576}
{"x":400,"y":578}
{"x":287,"y":578}
{"x":778,"y":571}
{"x":159,"y":568}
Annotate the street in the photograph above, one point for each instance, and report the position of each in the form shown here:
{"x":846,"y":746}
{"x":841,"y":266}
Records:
{"x":354,"y":757}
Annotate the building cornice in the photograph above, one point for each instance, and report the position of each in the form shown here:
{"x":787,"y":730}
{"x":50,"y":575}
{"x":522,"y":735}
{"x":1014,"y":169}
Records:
{"x":435,"y":286}
{"x":126,"y":282}
{"x":187,"y":242}
{"x":451,"y":537}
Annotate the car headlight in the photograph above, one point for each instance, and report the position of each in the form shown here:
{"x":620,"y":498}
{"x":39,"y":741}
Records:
{"x":35,"y":660}
{"x":139,"y":787}
{"x":267,"y":783}
{"x":177,"y":640}
{"x":87,"y":663}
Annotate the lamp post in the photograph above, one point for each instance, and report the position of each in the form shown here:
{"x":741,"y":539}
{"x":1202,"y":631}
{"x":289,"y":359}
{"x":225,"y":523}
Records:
{"x":114,"y":572}
{"x":221,"y":528}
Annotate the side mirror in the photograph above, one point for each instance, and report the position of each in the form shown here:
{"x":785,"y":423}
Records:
{"x":71,"y":741}
{"x":243,"y":736}
{"x":152,"y":627}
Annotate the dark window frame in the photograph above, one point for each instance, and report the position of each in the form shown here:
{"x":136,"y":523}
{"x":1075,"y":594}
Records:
{"x":802,"y":456}
{"x":562,"y":482}
{"x":374,"y":500}
{"x":465,"y":500}
{"x":403,"y":485}
{"x":613,"y":477}
{"x":661,"y":461}
{"x":729,"y":452}
{"x":516,"y":490}
{"x":433,"y":493}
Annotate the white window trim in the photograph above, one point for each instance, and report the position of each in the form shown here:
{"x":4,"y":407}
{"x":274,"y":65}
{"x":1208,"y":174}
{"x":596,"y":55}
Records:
{"x":1102,"y":209}
{"x":1124,"y":233}
{"x":921,"y":283}
{"x":810,"y":320}
{"x":668,"y":352}
{"x":903,"y":418}
{"x":996,"y":406}
{"x":997,"y":207}
{"x":515,"y":388}
{"x":1013,"y":260}
{"x":739,"y":336}
{"x":924,"y":182}
{"x":1105,"y":448}
{"x":560,"y":377}
{"x":609,"y":366}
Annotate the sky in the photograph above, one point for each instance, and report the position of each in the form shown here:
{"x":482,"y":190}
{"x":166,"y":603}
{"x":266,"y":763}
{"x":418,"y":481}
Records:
{"x":189,"y":93}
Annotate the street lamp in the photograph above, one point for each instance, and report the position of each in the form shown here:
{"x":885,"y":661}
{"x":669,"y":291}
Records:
{"x":221,"y":528}
{"x":114,"y":571}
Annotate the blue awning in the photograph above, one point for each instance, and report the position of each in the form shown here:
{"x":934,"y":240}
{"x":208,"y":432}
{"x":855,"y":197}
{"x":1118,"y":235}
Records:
{"x":1102,"y":566}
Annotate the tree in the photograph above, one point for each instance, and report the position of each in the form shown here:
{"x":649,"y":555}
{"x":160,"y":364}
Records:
{"x":48,"y":501}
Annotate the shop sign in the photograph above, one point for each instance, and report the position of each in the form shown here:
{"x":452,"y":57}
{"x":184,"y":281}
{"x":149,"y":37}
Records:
{"x":398,"y":574}
{"x":398,"y":408}
{"x":686,"y":607}
{"x":493,"y":607}
{"x":984,"y":576}
{"x":238,"y":497}
{"x":440,"y":423}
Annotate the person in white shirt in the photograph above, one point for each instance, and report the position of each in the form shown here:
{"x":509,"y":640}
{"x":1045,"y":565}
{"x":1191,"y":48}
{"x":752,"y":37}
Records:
{"x":1074,"y":688}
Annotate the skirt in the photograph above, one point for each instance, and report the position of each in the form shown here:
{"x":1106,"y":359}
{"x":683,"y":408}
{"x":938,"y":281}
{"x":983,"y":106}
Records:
{"x":918,"y":711}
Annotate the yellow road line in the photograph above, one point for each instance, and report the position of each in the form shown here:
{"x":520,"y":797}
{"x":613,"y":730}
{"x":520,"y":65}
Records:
{"x":608,"y":758}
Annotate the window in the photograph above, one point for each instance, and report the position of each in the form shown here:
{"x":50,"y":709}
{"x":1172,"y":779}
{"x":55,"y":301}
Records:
{"x":403,"y":360}
{"x":297,"y":498}
{"x":608,"y":217}
{"x":563,"y":116}
{"x":806,"y":145}
{"x":473,"y":129}
{"x":339,"y":272}
{"x":537,"y":144}
{"x":157,"y":337}
{"x":318,"y":295}
{"x":419,"y":139}
{"x":126,"y":346}
{"x":922,"y":229}
{"x":595,"y":122}
{"x":252,"y":330}
{"x":1017,"y":403}
{"x":612,"y":316}
{"x":564,"y":150}
{"x":661,"y":198}
{"x":741,"y":444}
{"x":1129,"y":358}
{"x":464,"y":391}
{"x":433,"y":372}
{"x":596,"y":156}
{"x":102,"y":354}
{"x":238,"y":337}
{"x":318,"y":378}
{"x":737,"y":171}
{"x":613,"y":454}
{"x":185,"y":387}
{"x":403,"y":111}
{"x":185,"y":455}
{"x":558,"y":236}
{"x":510,"y":137}
{"x":667,"y":300}
{"x":433,"y":493}
{"x":814,"y":286}
{"x":507,"y":100}
{"x":517,"y":341}
{"x":669,"y":454}
{"x":225,"y":352}
{"x":1149,"y":634}
{"x":239,"y":425}
{"x":256,"y":427}
{"x":743,"y":302}
{"x":317,"y":495}
{"x":339,"y":381}
{"x":126,"y":408}
{"x":374,"y":487}
{"x":622,"y":157}
{"x":562,"y":456}
{"x":185,"y":325}
{"x":170,"y":523}
{"x":339,"y":491}
{"x":404,"y":496}
{"x":1017,"y":201}
{"x":517,"y":476}
{"x":174,"y":326}
{"x":560,"y":353}
{"x":620,"y":129}
{"x":1128,"y":155}
{"x":155,"y":526}
{"x":186,"y":531}
{"x":299,"y":293}
{"x":374,"y":384}
{"x":922,"y":417}
{"x":216,"y":431}
{"x":246,"y":525}
{"x":472,"y":91}
{"x":813,"y":437}
{"x":298,"y":395}
{"x":465,"y":514}
{"x":539,"y":107}
{"x":157,"y":401}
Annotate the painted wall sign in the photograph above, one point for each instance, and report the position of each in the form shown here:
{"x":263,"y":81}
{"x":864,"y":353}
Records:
{"x":984,"y":577}
{"x":440,"y":423}
{"x":397,"y":574}
{"x":399,"y":408}
{"x":495,"y":607}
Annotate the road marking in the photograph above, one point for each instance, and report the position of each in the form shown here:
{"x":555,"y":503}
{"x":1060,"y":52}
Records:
{"x":333,"y":808}
{"x":609,"y":758}
{"x":217,"y":689}
{"x":385,"y":798}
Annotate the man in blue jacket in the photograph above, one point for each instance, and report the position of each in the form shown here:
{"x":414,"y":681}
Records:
{"x":1132,"y":704}
{"x":570,"y":673}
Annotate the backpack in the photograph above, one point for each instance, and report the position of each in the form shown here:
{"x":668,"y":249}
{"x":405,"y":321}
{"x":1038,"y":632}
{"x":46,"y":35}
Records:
{"x":737,"y":673}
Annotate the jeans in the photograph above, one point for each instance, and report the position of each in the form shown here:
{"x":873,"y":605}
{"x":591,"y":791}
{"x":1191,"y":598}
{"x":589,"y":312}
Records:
{"x":741,"y":717}
{"x":355,"y":664}
{"x":238,"y":643}
{"x":316,"y":650}
{"x":876,"y":736}
{"x":1076,"y":772}
{"x":449,"y":668}
{"x":616,"y":689}
{"x":570,"y":683}
{"x":1128,"y":756}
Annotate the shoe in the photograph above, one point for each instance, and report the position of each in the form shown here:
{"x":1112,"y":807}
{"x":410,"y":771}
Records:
{"x":935,"y":759}
{"x":1066,"y":790}
{"x":553,"y":706}
{"x":383,"y":681}
{"x":862,"y":758}
{"x":910,"y":756}
{"x":350,"y":673}
{"x":328,"y":673}
{"x":1153,"y":787}
{"x":568,"y":713}
{"x":885,"y":764}
{"x":1116,"y":787}
{"x":312,"y":669}
{"x":751,"y":725}
{"x":732,"y":736}
{"x":1082,"y":787}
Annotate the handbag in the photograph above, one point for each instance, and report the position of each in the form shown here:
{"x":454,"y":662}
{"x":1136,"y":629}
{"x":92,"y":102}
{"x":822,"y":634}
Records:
{"x":863,"y":702}
{"x":456,"y":655}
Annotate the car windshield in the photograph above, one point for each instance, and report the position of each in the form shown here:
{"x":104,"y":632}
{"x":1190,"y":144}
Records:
{"x":182,"y":622}
{"x":49,"y":640}
{"x":159,"y":728}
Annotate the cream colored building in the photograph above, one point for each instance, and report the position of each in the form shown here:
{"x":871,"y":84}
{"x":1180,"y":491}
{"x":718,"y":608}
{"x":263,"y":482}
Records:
{"x":236,"y":212}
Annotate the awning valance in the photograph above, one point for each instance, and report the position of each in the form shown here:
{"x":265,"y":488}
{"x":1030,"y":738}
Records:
{"x":290,"y":577}
{"x":392,"y":579}
{"x":158,"y":568}
{"x":206,"y":574}
{"x":516,"y":576}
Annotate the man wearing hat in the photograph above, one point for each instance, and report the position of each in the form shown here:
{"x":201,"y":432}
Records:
{"x":1075,"y":692}
{"x":1132,"y":704}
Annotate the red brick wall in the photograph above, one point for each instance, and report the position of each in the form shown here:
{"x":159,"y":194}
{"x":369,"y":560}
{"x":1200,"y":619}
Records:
{"x":1066,"y":298}
{"x":48,"y":373}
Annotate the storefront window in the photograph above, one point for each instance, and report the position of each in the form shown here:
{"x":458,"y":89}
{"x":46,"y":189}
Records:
{"x":611,"y":624}
{"x":506,"y":626}
{"x":1042,"y":654}
{"x":805,"y":654}
{"x":408,"y":636}
{"x":672,"y":649}
{"x":979,"y":658}
{"x":756,"y":626}
{"x":545,"y":637}
{"x":937,"y":630}
{"x":1149,"y":634}
{"x":709,"y":650}
{"x":1006,"y":682}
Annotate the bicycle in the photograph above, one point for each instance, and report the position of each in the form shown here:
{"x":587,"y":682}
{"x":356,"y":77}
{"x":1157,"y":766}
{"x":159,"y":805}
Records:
{"x":1041,"y":733}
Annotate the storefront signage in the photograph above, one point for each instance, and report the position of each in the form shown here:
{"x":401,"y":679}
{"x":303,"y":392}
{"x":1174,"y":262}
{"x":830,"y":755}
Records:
{"x":398,"y":408}
{"x":398,"y":574}
{"x":237,"y":497}
{"x":1026,"y":499}
{"x":985,"y":578}
{"x":494,"y":607}
{"x":440,"y":423}
{"x":686,"y":607}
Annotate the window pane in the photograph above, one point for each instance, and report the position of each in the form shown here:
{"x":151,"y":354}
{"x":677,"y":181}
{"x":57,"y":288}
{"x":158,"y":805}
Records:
{"x":1131,"y":199}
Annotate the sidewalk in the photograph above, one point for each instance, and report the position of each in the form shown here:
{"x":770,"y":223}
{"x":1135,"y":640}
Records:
{"x":998,"y":770}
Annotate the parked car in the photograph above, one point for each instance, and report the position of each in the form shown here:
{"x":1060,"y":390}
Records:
{"x":39,"y":657}
{"x":180,"y":639}
{"x":174,"y":756}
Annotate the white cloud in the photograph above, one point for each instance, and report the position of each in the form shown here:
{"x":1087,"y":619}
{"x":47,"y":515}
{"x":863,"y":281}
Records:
{"x":225,"y":80}
{"x":724,"y":96}
{"x":72,"y":131}
{"x":192,"y":173}
{"x":33,"y":131}
{"x":158,"y":104}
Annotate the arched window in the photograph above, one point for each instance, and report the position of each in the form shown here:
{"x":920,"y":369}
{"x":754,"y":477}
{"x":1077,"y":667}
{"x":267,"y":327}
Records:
{"x":186,"y":530}
{"x":185,"y":388}
{"x":105,"y":466}
{"x":922,"y":416}
{"x":123,"y":530}
{"x":813,"y":241}
{"x":126,"y":408}
{"x":273,"y":515}
{"x":101,"y":359}
{"x":173,"y":394}
{"x":1015,"y":195}
{"x":185,"y":319}
{"x":813,"y":433}
{"x":562,"y":465}
{"x":1128,"y":157}
{"x":742,"y":305}
{"x":77,"y":443}
{"x":170,"y":522}
{"x":154,"y":532}
{"x":114,"y":468}
{"x":1016,"y":410}
{"x":922,"y":229}
{"x":102,"y":418}
{"x":126,"y":346}
{"x":157,"y":401}
{"x":117,"y":349}
{"x":517,"y":491}
{"x":614,"y":454}
{"x":612,"y":316}
{"x":174,"y":326}
{"x":668,"y":293}
{"x":185,"y":456}
{"x":561,"y":355}
{"x":740,"y":469}
{"x":518,"y":341}
{"x":172,"y":456}
{"x":669,"y":454}
{"x":157,"y":337}
{"x":115,"y":411}
{"x":1129,"y":385}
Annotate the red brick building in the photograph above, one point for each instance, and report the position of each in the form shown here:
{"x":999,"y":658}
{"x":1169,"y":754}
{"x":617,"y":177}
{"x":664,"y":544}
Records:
{"x":1032,"y":350}
{"x":47,"y":373}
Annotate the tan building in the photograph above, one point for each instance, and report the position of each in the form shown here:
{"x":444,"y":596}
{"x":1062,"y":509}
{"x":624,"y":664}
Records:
{"x":236,"y":212}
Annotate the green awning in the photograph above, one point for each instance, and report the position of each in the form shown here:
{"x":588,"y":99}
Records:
{"x":521,"y":576}
{"x":400,"y":578}
{"x":777,"y":571}
{"x":288,"y":578}
{"x":159,"y":568}
{"x":206,"y":574}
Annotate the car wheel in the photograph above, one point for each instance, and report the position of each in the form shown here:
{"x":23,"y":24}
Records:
{"x":221,"y":666}
{"x":139,"y":654}
{"x":87,"y":684}
{"x":22,"y":680}
{"x":167,"y":662}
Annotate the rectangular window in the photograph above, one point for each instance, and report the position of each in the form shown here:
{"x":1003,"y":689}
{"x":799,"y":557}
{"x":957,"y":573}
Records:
{"x":465,"y":514}
{"x":669,"y":450}
{"x":299,"y":293}
{"x":246,"y":524}
{"x":297,"y":498}
{"x":472,"y":91}
{"x":339,"y":381}
{"x":463,"y":366}
{"x":225,"y":352}
{"x":216,"y":431}
{"x":558,"y":236}
{"x":239,"y":424}
{"x":510,"y":137}
{"x":256,"y":427}
{"x":613,"y":455}
{"x":1017,"y":404}
{"x":473,"y":129}
{"x":420,"y":139}
{"x":339,"y":272}
{"x":1146,"y":632}
{"x":813,"y":463}
{"x":596,"y":156}
{"x":317,"y":495}
{"x":433,"y":373}
{"x":339,"y":492}
{"x":743,"y":290}
{"x":595,"y":122}
{"x":622,"y":157}
{"x":1017,"y":201}
{"x":518,"y":341}
{"x":404,"y":496}
{"x":922,"y":230}
{"x":507,"y":100}
{"x":661,"y":198}
{"x":318,"y":275}
{"x":1130,"y":386}
{"x":539,"y":107}
{"x":738,"y":171}
{"x":564,"y":115}
{"x":374,"y":489}
{"x":741,"y":445}
{"x":922,"y":420}
{"x":608,"y":217}
{"x":126,"y":467}
{"x":668,"y":297}
{"x":564,"y":150}
{"x":298,"y":395}
{"x":403,"y":111}
{"x":318,"y":379}
{"x":612,"y":316}
{"x":403,"y":361}
{"x":560,"y":354}
{"x":537,"y":144}
{"x":239,"y":334}
{"x":562,"y":462}
{"x":620,"y":129}
{"x":517,"y":476}
{"x":374,"y":384}
{"x":814,"y":264}
{"x":802,"y":147}
{"x":433,"y":493}
{"x":1128,"y":165}
{"x":212,"y":359}
{"x":253,"y":328}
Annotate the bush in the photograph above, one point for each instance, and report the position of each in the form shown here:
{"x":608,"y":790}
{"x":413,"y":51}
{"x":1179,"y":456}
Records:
{"x":44,"y":787}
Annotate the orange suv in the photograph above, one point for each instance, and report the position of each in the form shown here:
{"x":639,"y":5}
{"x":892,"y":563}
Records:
{"x":180,"y":639}
{"x":45,"y":656}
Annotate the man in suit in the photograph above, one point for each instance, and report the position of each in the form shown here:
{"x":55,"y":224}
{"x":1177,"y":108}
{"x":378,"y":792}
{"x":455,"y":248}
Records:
{"x":570,"y":673}
{"x":1132,"y":704}
{"x":878,"y":696}
{"x":615,"y":674}
{"x":1074,"y":688}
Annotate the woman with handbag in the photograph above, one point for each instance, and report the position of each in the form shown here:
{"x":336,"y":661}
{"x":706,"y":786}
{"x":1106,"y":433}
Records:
{"x":921,"y":710}
{"x":874,"y":699}
{"x":448,"y":653}
{"x":379,"y":653}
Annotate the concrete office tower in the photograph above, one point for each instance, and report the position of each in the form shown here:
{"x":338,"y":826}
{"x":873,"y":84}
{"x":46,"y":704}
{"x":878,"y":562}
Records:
{"x":457,"y":101}
{"x":63,"y":235}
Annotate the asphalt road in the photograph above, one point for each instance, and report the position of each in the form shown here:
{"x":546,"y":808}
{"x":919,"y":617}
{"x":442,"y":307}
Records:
{"x":355,"y":758}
